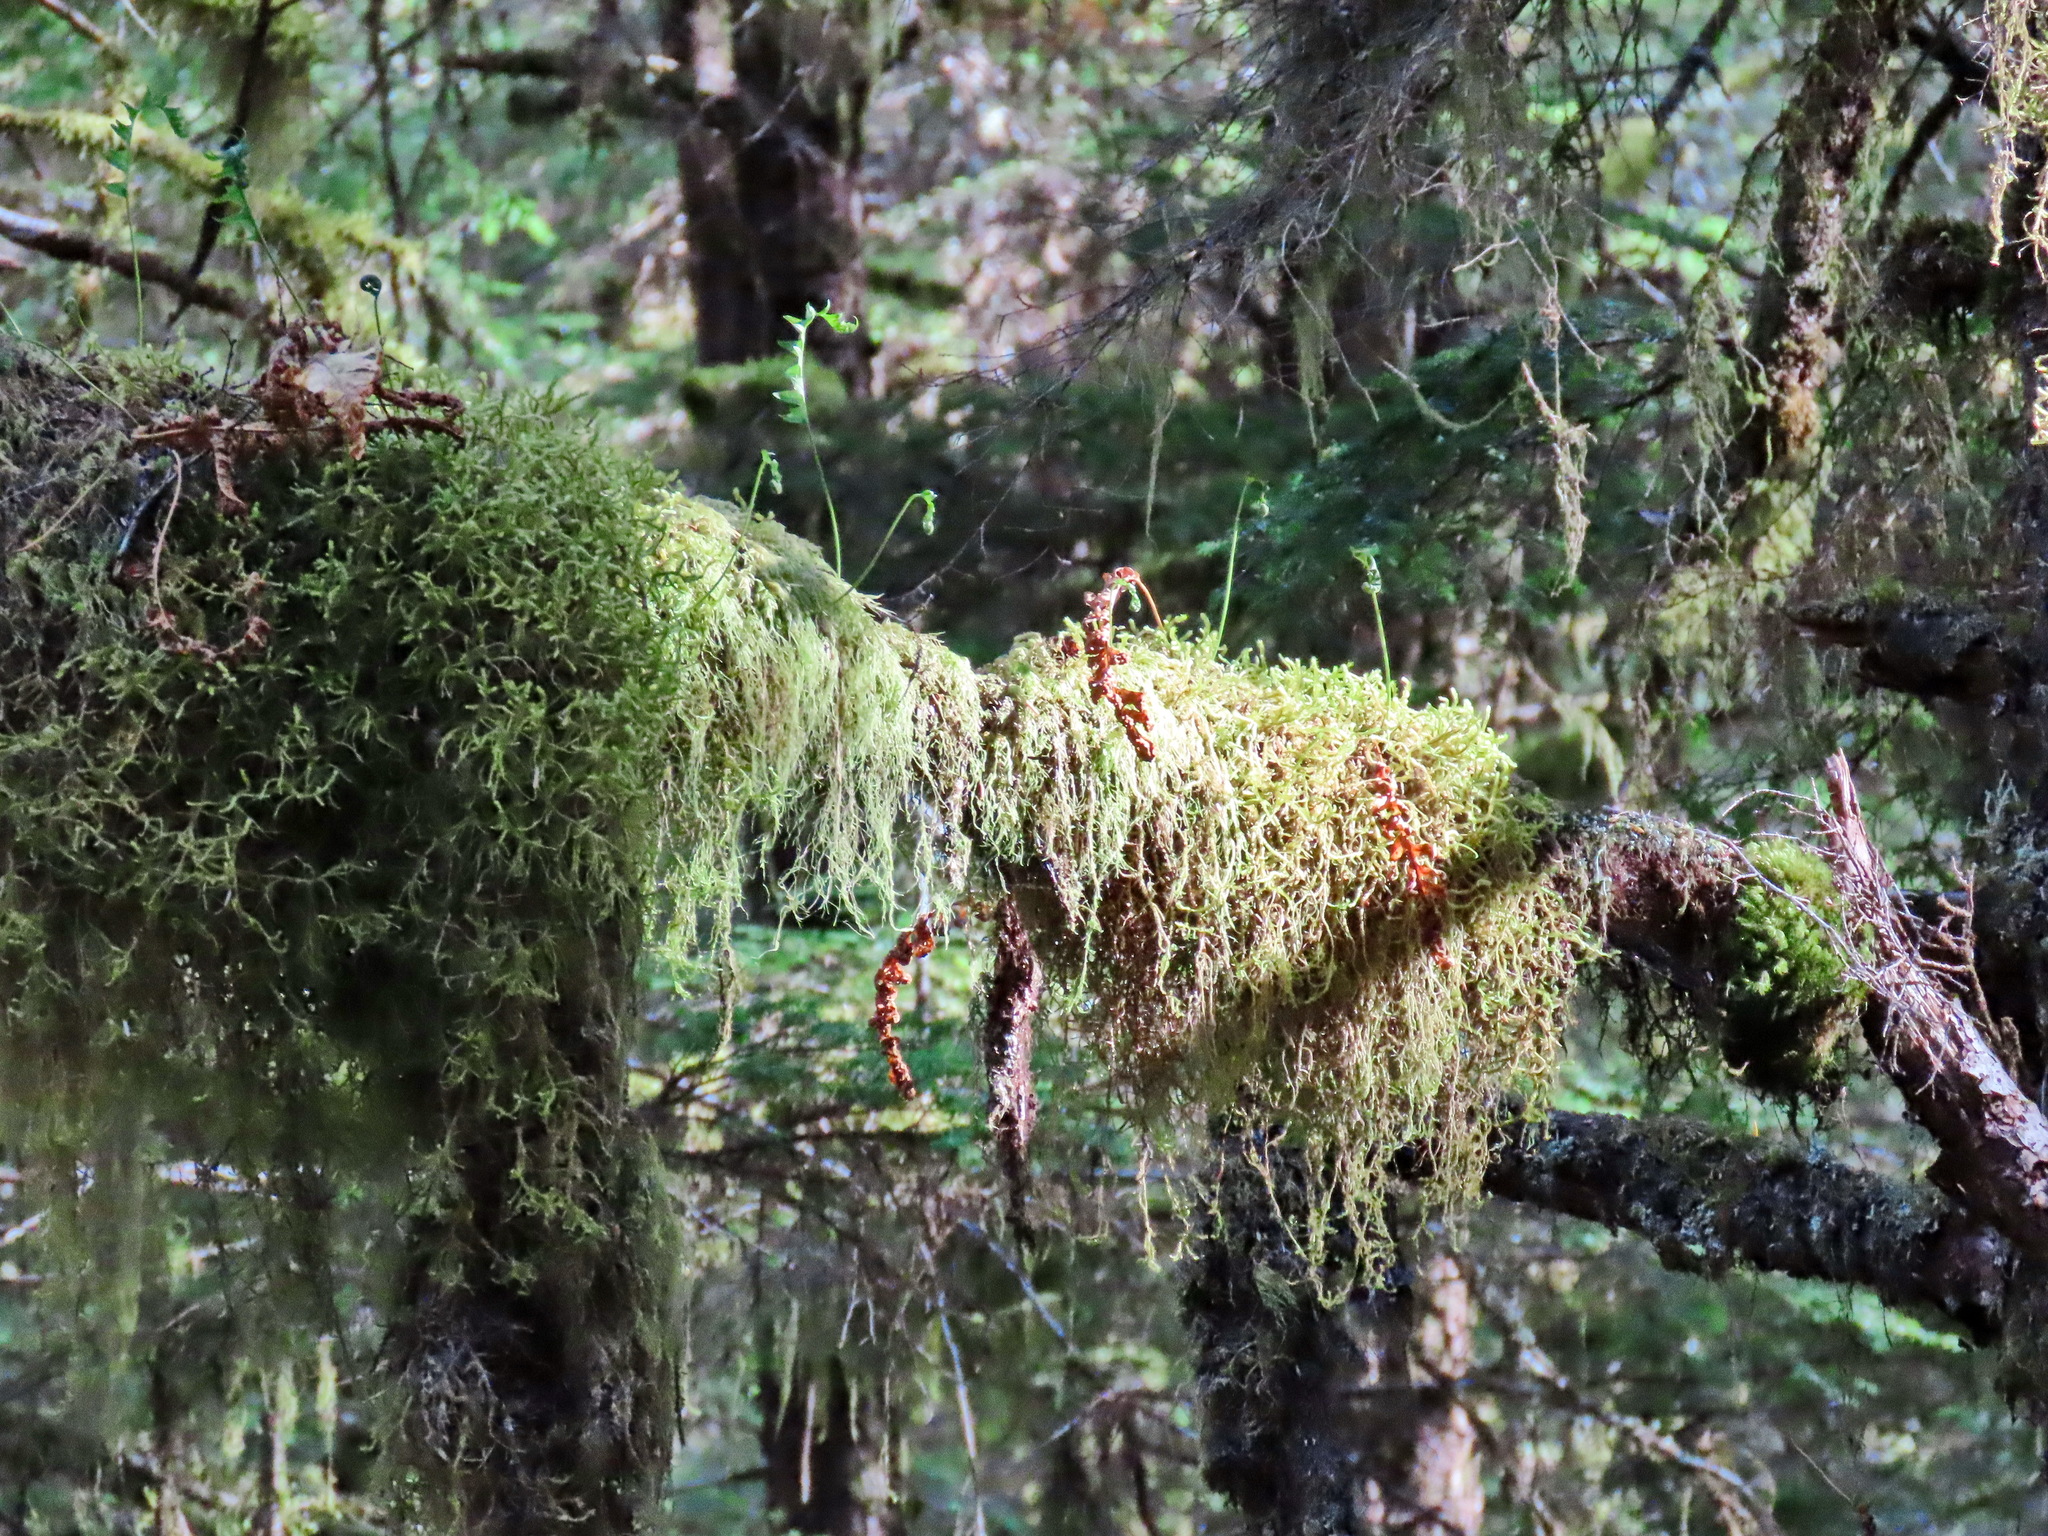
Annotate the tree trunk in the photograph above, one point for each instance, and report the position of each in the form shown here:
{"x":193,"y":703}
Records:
{"x":825,"y":1451}
{"x":531,"y":1346}
{"x":1443,"y":1494}
{"x":1326,"y":1420}
{"x":769,"y":161}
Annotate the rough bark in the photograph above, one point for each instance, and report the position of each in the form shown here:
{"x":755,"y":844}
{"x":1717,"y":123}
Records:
{"x":538,"y":1395}
{"x":1792,"y":334}
{"x":768,"y":152}
{"x":1325,"y":1415}
{"x":1014,"y":988}
{"x":1443,"y":1493}
{"x":768,"y":166}
{"x":1709,"y":1203}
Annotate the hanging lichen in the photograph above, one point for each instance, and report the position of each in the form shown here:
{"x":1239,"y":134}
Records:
{"x":1313,"y":900}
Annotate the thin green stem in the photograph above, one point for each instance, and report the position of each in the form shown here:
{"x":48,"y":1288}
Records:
{"x":1230,"y":566}
{"x":263,"y":240}
{"x":135,"y":260}
{"x":894,"y":523}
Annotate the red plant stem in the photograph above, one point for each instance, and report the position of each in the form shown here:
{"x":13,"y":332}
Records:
{"x":1422,"y":861}
{"x":1104,"y":658}
{"x":914,"y":943}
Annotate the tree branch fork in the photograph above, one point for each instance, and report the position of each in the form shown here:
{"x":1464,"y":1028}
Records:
{"x":1708,"y":1203}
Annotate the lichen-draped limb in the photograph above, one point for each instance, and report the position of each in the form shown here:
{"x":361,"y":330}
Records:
{"x":1239,"y":921}
{"x":1710,"y":940}
{"x":517,"y":707}
{"x":311,"y":238}
{"x":1708,"y":1203}
{"x":2016,"y":91}
{"x":807,"y":721}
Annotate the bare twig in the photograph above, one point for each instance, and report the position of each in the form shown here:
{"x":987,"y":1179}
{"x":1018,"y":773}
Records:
{"x":53,"y":240}
{"x":81,"y":24}
{"x":1693,"y":62}
{"x":214,"y":219}
{"x":1967,"y":78}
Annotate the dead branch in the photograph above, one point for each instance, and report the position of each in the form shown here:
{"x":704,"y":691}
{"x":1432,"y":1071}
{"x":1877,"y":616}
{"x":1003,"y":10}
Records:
{"x":1994,"y":1139}
{"x":1696,"y":59}
{"x":51,"y":239}
{"x":1708,"y":1203}
{"x":82,"y":25}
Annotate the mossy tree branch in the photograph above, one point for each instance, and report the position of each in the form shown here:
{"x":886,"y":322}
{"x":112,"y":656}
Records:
{"x":1709,"y":1203}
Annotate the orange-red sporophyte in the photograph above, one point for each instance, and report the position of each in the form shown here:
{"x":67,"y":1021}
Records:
{"x":1421,"y":859}
{"x":914,"y":943}
{"x":1104,"y":657}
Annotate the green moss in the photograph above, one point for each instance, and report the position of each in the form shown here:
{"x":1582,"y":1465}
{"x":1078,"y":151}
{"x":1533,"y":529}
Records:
{"x":1790,"y":1008}
{"x":365,"y":904}
{"x":1232,"y":923}
{"x":370,"y":898}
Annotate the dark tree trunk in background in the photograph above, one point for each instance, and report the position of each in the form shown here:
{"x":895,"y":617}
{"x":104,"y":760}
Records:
{"x":825,"y":1453}
{"x":769,"y":160}
{"x":1340,"y":1420}
{"x":531,"y":1346}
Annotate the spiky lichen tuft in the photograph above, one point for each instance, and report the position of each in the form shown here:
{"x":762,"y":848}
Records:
{"x":1242,"y":933}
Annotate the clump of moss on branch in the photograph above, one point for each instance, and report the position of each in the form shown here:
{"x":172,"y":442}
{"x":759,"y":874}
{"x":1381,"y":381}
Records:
{"x":1791,"y":1009}
{"x":1714,"y":944}
{"x":1232,"y":922}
